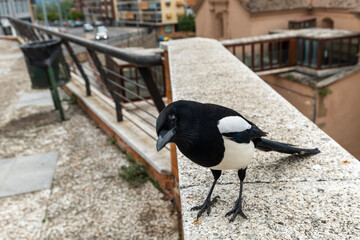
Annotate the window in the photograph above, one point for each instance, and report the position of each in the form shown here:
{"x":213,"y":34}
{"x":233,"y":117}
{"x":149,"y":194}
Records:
{"x":354,"y":49}
{"x":345,"y":44}
{"x":266,"y":55}
{"x":300,"y":43}
{"x":326,"y":48}
{"x":314,"y":52}
{"x":335,"y":53}
{"x":285,"y":52}
{"x":168,"y":29}
{"x":306,"y":52}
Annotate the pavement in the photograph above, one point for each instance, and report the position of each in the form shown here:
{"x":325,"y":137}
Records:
{"x":86,"y":199}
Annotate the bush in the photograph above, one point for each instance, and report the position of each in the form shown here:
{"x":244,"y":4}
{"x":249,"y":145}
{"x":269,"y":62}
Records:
{"x":186,"y":23}
{"x":75,"y":15}
{"x":52,"y":16}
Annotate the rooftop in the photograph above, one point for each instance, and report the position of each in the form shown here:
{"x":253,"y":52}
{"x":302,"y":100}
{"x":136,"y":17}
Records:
{"x":315,"y":33}
{"x":254,"y":6}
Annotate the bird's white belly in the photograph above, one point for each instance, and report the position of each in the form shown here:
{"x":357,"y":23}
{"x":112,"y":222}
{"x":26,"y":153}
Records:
{"x":236,"y":156}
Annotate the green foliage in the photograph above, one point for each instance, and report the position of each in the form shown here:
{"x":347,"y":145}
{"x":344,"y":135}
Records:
{"x":122,"y":150}
{"x":71,"y":100}
{"x":130,"y":158}
{"x":52,"y":16}
{"x":40,"y":16}
{"x":156,"y":184}
{"x":186,"y":23}
{"x":65,"y":6}
{"x":135,"y":174}
{"x":290,"y":76}
{"x":75,"y":15}
{"x":111,"y":140}
{"x":324,"y":91}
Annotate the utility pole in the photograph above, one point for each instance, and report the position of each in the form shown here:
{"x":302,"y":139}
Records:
{"x":59,"y":10}
{"x":44,"y":12}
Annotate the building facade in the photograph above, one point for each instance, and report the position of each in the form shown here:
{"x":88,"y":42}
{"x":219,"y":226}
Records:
{"x":160,"y":14}
{"x":93,"y":10}
{"x":230,"y":19}
{"x":17,"y":8}
{"x":14,"y":8}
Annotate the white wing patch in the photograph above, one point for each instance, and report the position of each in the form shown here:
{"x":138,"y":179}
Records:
{"x":233,"y":124}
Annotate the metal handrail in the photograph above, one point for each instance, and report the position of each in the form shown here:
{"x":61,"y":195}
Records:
{"x":102,"y":74}
{"x":131,"y":57}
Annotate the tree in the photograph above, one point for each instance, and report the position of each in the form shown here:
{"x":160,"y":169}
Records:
{"x":76,"y":15}
{"x":186,"y":23}
{"x":52,"y":16}
{"x":40,"y":16}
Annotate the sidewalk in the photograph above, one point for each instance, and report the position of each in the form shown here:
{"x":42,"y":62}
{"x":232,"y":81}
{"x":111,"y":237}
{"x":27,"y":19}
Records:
{"x":87,"y":199}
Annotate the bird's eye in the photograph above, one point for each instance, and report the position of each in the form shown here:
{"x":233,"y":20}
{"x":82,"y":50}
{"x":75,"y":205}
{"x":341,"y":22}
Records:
{"x":172,"y":118}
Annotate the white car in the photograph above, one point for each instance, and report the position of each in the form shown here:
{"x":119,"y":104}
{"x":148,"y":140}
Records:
{"x":88,"y":27}
{"x":101,"y":33}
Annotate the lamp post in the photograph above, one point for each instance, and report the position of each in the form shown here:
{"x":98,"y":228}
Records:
{"x":44,"y":12}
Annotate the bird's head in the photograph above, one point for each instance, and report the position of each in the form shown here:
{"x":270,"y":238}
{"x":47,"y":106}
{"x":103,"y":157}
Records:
{"x":174,"y":124}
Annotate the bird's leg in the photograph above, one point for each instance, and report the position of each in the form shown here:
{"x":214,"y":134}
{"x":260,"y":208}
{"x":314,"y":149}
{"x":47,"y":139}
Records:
{"x":208,"y":202}
{"x":237,"y":210}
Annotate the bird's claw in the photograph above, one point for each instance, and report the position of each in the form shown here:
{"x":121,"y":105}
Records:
{"x":205,"y":206}
{"x":237,"y":210}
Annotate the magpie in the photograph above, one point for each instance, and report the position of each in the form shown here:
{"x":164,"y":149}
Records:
{"x":217,"y":138}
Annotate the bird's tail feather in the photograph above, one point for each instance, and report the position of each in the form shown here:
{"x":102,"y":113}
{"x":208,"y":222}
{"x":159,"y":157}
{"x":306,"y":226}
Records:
{"x":268,"y":145}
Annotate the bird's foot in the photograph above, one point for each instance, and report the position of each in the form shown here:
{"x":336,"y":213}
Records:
{"x":205,"y":206}
{"x":237,"y":210}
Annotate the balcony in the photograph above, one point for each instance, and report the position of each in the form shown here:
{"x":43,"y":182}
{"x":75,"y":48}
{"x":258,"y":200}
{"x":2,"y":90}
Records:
{"x":316,"y":49}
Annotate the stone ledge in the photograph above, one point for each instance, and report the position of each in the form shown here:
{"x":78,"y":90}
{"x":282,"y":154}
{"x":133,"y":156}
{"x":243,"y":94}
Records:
{"x":312,"y":197}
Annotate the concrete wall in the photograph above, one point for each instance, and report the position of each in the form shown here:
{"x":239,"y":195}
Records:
{"x":262,"y":23}
{"x":202,"y":21}
{"x":240,"y":23}
{"x":339,"y":113}
{"x":342,"y":18}
{"x":299,"y":95}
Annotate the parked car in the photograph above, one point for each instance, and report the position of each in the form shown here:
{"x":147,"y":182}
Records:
{"x":88,"y":27}
{"x":62,"y":29}
{"x":77,"y":23}
{"x":101,"y":33}
{"x":97,"y":23}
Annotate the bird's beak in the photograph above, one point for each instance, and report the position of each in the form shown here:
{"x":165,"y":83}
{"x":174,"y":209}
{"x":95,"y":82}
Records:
{"x":164,"y":137}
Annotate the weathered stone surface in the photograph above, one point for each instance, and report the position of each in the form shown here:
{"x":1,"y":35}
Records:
{"x":88,"y":199}
{"x":27,"y":173}
{"x":296,"y":192}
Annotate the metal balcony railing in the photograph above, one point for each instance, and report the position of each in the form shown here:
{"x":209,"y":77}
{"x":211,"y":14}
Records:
{"x":98,"y":71}
{"x":282,"y":52}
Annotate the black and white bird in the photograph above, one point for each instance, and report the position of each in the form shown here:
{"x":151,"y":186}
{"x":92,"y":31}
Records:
{"x":217,"y":138}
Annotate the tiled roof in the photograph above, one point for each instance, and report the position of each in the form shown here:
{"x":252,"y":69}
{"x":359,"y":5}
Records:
{"x":279,"y":5}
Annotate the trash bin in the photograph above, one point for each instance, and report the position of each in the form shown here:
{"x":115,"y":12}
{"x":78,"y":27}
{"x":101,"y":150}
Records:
{"x":47,"y":67}
{"x":39,"y":56}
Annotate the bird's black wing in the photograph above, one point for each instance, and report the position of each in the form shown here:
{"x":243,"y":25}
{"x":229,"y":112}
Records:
{"x":245,"y":136}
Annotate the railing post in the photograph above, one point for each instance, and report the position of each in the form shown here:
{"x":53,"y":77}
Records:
{"x":78,"y":65}
{"x":151,"y":86}
{"x":103,"y":74}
